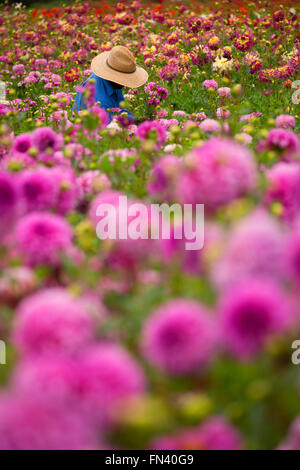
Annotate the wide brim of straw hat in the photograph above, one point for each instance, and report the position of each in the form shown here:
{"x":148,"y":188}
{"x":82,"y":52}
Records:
{"x":131,"y":80}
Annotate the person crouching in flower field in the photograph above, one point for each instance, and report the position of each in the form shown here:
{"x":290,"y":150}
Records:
{"x":112,"y":71}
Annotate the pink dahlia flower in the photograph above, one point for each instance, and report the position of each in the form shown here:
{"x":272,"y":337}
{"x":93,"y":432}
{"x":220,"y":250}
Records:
{"x":285,"y":121}
{"x":224,"y":92}
{"x":109,"y":377}
{"x":43,"y":238}
{"x":179,"y":337}
{"x":65,"y":179}
{"x":22,"y":143}
{"x":216,"y":173}
{"x":255,"y":247}
{"x":152,"y":130}
{"x":284,"y":140}
{"x":284,"y":187}
{"x":200,"y":55}
{"x":52,"y":321}
{"x":169,"y":72}
{"x":250,"y":314}
{"x":49,"y":379}
{"x":44,"y":138}
{"x":9,"y":202}
{"x":26,"y":424}
{"x":215,"y":433}
{"x":210,"y":125}
{"x":19,"y":69}
{"x":38,"y":189}
{"x":163,"y":176}
{"x":293,"y":252}
{"x":210,"y":84}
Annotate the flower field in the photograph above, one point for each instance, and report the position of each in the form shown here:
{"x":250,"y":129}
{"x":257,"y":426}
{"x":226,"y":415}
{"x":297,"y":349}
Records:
{"x":143,"y":344}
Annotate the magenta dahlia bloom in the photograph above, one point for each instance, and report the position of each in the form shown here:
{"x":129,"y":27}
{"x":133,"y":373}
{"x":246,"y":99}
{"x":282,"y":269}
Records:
{"x":22,"y":143}
{"x":52,"y":321}
{"x":179,"y":337}
{"x":65,"y":179}
{"x":278,"y":15}
{"x":173,"y":249}
{"x":245,"y":41}
{"x":151,"y":88}
{"x":38,"y":189}
{"x":200,"y":55}
{"x":44,"y":138}
{"x":266,"y":75}
{"x":9,"y":201}
{"x":293,"y":252}
{"x":216,"y":173}
{"x":255,"y":65}
{"x":152,"y":130}
{"x":250,"y":314}
{"x":215,"y":433}
{"x":294,"y":62}
{"x":285,"y":121}
{"x":255,"y":247}
{"x":162,"y":93}
{"x":19,"y":69}
{"x":43,"y":238}
{"x":284,"y":140}
{"x":106,"y":197}
{"x":102,"y":115}
{"x":210,"y":84}
{"x":122,"y":213}
{"x":49,"y":379}
{"x":129,"y":250}
{"x":109,"y":376}
{"x":163,"y":176}
{"x":169,"y":72}
{"x":284,"y":187}
{"x":26,"y":424}
{"x":284,"y":71}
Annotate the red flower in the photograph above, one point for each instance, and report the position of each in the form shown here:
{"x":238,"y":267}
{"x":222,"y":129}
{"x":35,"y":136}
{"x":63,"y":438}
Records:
{"x":34,"y":13}
{"x":72,"y":74}
{"x":47,"y":13}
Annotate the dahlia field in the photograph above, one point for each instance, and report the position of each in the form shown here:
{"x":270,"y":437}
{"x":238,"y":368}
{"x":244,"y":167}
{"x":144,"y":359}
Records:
{"x":140,"y":343}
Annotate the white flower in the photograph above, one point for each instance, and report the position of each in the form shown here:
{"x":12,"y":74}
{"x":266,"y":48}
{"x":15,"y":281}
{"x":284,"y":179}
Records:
{"x":113,"y":125}
{"x":171,"y":147}
{"x":221,"y":64}
{"x":128,"y":96}
{"x":2,"y":93}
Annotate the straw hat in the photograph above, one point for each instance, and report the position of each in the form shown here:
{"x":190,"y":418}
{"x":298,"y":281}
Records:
{"x":118,"y":65}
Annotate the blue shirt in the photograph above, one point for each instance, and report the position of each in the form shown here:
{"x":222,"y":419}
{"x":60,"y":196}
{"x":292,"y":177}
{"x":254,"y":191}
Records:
{"x":105,"y":93}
